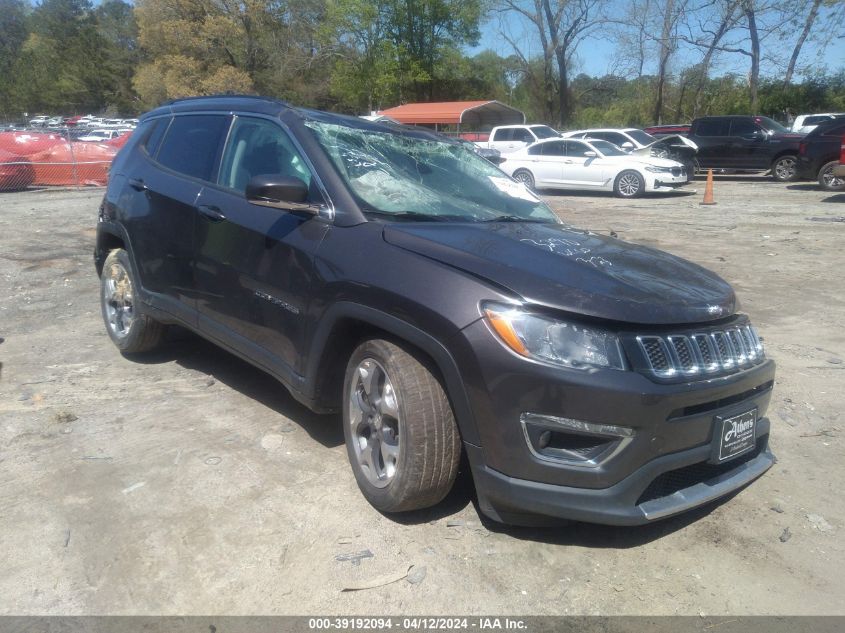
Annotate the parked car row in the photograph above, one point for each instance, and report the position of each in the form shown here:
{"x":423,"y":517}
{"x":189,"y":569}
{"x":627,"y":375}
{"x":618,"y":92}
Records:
{"x":86,"y":121}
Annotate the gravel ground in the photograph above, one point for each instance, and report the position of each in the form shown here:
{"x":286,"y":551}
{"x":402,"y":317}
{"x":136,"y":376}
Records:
{"x":191,"y":483}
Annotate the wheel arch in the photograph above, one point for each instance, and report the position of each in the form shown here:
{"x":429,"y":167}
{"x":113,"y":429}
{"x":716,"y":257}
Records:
{"x":109,"y":237}
{"x":348,"y":324}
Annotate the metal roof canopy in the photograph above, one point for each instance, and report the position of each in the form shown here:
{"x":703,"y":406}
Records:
{"x":476,"y":114}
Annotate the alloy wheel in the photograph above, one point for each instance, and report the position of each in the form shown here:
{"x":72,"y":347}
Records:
{"x":374,"y":421}
{"x":118,"y":300}
{"x":629,"y":185}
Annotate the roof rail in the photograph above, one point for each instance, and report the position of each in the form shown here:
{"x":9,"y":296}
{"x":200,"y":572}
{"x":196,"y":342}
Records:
{"x":224,"y":95}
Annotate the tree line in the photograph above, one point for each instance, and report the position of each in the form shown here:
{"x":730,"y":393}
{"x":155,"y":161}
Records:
{"x":69,"y":56}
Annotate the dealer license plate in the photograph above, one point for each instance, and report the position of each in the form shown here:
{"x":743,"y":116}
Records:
{"x":737,"y":435}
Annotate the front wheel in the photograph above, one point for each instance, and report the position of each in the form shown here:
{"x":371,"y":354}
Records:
{"x":525,"y":177}
{"x":629,"y":184}
{"x":828,"y":181}
{"x":785,"y":168}
{"x":401,"y":437}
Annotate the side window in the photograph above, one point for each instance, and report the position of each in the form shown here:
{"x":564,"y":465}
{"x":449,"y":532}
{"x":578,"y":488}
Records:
{"x":713,"y":127}
{"x":815,"y":120}
{"x":835,"y":130}
{"x":555,"y":148}
{"x":522,"y":135}
{"x":503,"y":135}
{"x":576,"y":149}
{"x":259,"y":147}
{"x":536,"y":150}
{"x":617,"y":139}
{"x":743,"y":127}
{"x":191,"y":144}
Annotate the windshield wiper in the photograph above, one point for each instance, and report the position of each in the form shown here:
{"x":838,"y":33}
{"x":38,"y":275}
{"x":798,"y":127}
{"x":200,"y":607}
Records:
{"x":515,"y":218}
{"x":415,"y":216}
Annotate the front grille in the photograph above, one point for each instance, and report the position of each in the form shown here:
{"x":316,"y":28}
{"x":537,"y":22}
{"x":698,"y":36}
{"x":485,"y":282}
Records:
{"x":677,"y":171}
{"x":672,"y":481}
{"x":702,"y":354}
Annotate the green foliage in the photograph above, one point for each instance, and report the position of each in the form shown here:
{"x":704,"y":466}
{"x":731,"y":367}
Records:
{"x":66,"y":56}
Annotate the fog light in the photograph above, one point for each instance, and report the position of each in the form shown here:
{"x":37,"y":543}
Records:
{"x":574,"y":442}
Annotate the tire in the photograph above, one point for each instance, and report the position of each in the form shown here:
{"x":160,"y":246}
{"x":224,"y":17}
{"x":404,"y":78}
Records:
{"x":785,"y":168}
{"x":401,"y":437}
{"x":828,"y":181}
{"x":525,"y":177}
{"x":628,"y":184}
{"x":129,"y":328}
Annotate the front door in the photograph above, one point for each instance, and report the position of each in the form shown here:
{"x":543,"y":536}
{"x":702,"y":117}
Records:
{"x":580,"y":170}
{"x":254,"y":264}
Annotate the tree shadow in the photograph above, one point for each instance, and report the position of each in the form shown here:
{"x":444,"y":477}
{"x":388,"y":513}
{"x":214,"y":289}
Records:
{"x":194,"y":352}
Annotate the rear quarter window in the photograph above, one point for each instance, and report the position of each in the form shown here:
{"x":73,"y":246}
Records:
{"x":192,"y":144}
{"x":152,"y":136}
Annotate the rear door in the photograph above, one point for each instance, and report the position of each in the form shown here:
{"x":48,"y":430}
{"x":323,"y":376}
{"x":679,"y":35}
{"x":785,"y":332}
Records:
{"x":181,"y":153}
{"x":714,"y":143}
{"x":254,"y":264}
{"x":546,"y":162}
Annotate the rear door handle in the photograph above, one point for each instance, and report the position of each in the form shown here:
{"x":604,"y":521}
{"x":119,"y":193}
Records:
{"x":137,"y":184}
{"x":211,"y":212}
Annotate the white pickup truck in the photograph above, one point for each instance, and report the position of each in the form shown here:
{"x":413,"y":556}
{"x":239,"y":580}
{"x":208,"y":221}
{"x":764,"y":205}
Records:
{"x":509,"y":138}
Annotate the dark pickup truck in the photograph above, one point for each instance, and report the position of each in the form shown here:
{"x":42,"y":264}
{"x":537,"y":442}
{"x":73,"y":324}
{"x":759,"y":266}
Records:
{"x":746,"y":143}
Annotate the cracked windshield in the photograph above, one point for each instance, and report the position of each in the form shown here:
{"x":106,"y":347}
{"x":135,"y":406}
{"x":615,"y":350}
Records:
{"x":399,"y":176}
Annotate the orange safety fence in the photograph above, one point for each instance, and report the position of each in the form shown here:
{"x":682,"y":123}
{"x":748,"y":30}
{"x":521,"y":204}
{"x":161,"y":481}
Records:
{"x":47,"y":159}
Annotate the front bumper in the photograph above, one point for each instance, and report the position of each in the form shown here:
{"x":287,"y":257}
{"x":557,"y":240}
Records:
{"x":665,"y":181}
{"x":521,"y":502}
{"x":673,"y":424}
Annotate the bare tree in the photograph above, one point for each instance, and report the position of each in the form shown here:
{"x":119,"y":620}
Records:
{"x":561,"y":26}
{"x":796,"y":51}
{"x":673,"y":11}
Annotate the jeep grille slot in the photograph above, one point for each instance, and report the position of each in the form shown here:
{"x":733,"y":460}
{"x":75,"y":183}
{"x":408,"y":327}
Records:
{"x":711,"y":353}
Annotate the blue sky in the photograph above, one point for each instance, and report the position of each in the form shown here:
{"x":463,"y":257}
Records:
{"x":597,"y":55}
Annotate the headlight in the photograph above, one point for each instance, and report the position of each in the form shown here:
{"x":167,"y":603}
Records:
{"x":551,"y":341}
{"x":658,"y":170}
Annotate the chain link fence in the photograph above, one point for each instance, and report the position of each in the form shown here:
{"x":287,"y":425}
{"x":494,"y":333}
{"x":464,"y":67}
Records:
{"x":38,"y":158}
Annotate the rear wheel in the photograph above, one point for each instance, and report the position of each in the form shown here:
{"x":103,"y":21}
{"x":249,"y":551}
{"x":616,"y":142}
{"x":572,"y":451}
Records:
{"x":129,"y":328}
{"x":828,"y":181}
{"x":629,"y":184}
{"x":525,"y":177}
{"x":785,"y":168}
{"x":401,"y":437}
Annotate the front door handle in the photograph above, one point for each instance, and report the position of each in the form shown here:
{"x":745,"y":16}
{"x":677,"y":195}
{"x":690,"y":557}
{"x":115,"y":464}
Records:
{"x":211,"y":212}
{"x":137,"y":184}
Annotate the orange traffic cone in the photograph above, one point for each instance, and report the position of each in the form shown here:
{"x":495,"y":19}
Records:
{"x":708,"y":189}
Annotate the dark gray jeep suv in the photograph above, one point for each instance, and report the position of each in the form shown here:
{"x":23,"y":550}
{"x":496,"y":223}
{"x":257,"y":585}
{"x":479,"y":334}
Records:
{"x":398,"y":278}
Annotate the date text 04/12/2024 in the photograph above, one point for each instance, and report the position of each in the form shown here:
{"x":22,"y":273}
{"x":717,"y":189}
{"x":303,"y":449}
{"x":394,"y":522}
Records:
{"x":417,"y":624}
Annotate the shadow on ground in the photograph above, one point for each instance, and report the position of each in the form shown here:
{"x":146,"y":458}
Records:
{"x":192,"y":352}
{"x":195,"y":353}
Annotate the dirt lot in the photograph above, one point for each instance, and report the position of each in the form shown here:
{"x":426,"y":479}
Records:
{"x":192,"y":483}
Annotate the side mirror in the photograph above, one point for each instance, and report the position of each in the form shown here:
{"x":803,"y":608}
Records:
{"x":280,"y":192}
{"x":590,"y":154}
{"x":627,"y":145}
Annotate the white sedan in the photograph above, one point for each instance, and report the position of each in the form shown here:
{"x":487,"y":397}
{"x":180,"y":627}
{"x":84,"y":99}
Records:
{"x":592,"y":164}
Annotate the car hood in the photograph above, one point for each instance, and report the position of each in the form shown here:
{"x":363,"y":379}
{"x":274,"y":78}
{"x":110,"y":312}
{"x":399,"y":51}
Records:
{"x":672,"y":141}
{"x":574,"y":271}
